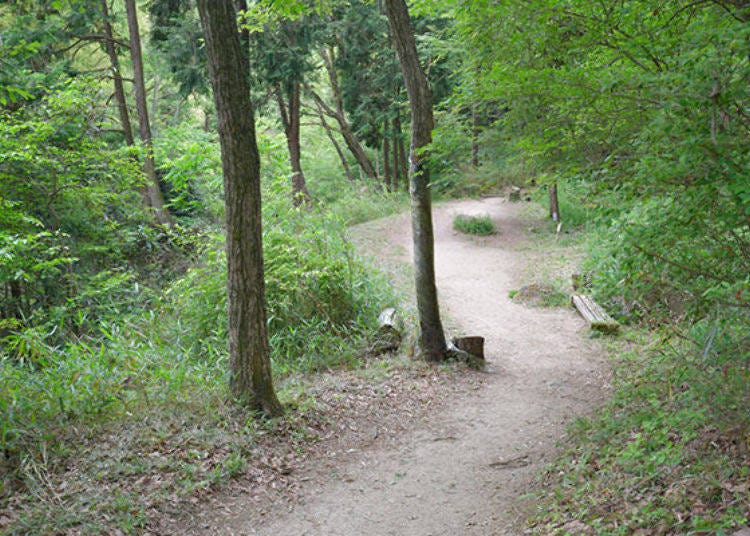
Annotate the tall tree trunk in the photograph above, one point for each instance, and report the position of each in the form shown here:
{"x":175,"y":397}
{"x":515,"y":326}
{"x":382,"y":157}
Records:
{"x":432,"y":336}
{"x":249,"y":362}
{"x":114,"y":62}
{"x":291,"y":118}
{"x":154,"y":197}
{"x":338,"y":114}
{"x":386,"y":158}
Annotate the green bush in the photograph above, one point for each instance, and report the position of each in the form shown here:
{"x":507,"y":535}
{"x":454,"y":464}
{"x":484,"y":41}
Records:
{"x":475,"y":225}
{"x":320,"y":297}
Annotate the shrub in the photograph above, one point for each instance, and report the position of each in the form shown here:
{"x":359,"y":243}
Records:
{"x":475,"y":225}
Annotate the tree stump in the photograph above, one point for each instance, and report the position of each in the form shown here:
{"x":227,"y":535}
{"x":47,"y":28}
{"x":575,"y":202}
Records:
{"x":470,"y":350}
{"x":514,"y":194}
{"x":472,"y":345}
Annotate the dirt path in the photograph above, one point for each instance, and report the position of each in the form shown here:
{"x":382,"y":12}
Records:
{"x":462,"y":470}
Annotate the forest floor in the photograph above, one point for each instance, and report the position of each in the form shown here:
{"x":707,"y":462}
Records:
{"x":437,"y":451}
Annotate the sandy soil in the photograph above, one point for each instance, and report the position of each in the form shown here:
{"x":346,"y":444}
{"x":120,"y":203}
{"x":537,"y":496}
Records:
{"x":461,"y":469}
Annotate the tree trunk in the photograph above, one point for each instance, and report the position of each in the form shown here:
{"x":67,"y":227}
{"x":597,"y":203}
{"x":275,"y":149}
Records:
{"x":554,"y":207}
{"x":338,"y":113}
{"x":403,"y":162}
{"x":474,"y":136}
{"x":396,"y":164}
{"x":154,"y":197}
{"x":386,"y":158}
{"x":249,"y":362}
{"x":432,"y":337}
{"x":122,"y":105}
{"x":290,"y":118}
{"x":334,"y":142}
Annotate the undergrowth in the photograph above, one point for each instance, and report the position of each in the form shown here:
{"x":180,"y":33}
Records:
{"x":91,"y":421}
{"x":670,"y":452}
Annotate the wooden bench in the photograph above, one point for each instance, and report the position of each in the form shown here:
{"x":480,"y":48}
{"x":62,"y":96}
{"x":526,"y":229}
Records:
{"x":597,"y":317}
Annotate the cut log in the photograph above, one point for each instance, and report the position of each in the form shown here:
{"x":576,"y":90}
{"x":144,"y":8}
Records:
{"x":597,"y":317}
{"x":472,"y":345}
{"x":390,"y":328}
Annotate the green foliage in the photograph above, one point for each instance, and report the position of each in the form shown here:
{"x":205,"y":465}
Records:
{"x":638,"y":112}
{"x":669,"y":452}
{"x":320,"y":297}
{"x":475,"y":225}
{"x":189,"y":162}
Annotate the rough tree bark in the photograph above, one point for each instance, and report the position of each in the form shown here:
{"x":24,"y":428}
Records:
{"x":290,"y":110}
{"x":249,"y":361}
{"x":153,"y":196}
{"x":432,"y":337}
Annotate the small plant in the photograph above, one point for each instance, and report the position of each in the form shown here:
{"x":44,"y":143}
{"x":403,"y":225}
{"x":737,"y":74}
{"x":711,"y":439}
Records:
{"x":475,"y":225}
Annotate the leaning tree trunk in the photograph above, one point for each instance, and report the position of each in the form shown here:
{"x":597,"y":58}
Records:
{"x":291,"y":117}
{"x":432,"y":337}
{"x":338,"y":113}
{"x":153,"y":195}
{"x":250,"y":367}
{"x":332,"y":137}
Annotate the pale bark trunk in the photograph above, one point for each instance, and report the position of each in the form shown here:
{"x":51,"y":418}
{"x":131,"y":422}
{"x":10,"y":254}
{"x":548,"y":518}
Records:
{"x":154,"y":197}
{"x":249,"y":362}
{"x":432,"y":337}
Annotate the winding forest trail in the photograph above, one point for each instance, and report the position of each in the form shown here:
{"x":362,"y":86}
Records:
{"x":462,"y":469}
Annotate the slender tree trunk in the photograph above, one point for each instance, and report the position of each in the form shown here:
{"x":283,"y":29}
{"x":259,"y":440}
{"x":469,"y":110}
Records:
{"x":432,"y":336}
{"x":154,"y":197}
{"x":291,"y":118}
{"x":250,"y":368}
{"x":554,"y":206}
{"x":396,"y":163}
{"x":331,"y":136}
{"x":386,"y":158}
{"x":114,"y":62}
{"x":402,"y":160}
{"x":338,"y":113}
{"x":474,"y":136}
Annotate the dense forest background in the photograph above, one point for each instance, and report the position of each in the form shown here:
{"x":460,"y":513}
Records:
{"x":112,"y":262}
